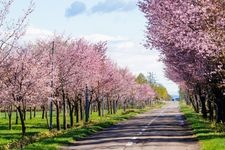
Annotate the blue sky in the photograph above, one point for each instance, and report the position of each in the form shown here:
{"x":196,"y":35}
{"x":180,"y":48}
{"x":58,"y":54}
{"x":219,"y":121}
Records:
{"x":117,"y":21}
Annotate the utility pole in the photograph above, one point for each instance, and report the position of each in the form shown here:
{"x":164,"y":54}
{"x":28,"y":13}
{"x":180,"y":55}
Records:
{"x":151,"y":78}
{"x":52,"y":92}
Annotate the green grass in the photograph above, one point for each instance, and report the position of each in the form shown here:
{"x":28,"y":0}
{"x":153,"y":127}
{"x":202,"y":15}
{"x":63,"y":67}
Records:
{"x":33,"y":126}
{"x":211,"y":136}
{"x":36,"y":128}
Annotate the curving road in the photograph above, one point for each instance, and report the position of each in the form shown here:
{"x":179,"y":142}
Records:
{"x":161,"y":129}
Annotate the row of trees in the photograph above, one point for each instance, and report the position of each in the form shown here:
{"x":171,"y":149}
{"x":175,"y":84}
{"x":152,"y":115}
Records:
{"x":75,"y":75}
{"x":160,"y":91}
{"x":69,"y":76}
{"x":190,"y":36}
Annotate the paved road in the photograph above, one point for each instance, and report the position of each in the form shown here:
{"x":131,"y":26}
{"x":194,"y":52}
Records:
{"x":161,"y":129}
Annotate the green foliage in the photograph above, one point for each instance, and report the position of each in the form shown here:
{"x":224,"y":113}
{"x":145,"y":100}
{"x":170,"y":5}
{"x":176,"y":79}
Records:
{"x":210,"y":135}
{"x":161,"y":91}
{"x":141,"y":79}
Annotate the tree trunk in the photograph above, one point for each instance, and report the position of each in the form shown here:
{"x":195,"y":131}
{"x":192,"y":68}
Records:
{"x":219,"y":112}
{"x":103,"y":108}
{"x":10,"y":117}
{"x":210,"y":111}
{"x":197,"y":103}
{"x":187,"y":99}
{"x":57,"y":116}
{"x":71,"y":109}
{"x":34,"y":112}
{"x":124,"y":106}
{"x":108,"y":105}
{"x":81,"y":109}
{"x":193,"y":104}
{"x":24,"y":109}
{"x":30,"y":113}
{"x":77,"y":112}
{"x":24,"y":113}
{"x":99,"y":107}
{"x":46,"y":117}
{"x":10,"y":121}
{"x":17,"y":117}
{"x":223,"y":109}
{"x":133,"y":104}
{"x":203,"y":111}
{"x":203,"y":101}
{"x":71,"y":117}
{"x":5,"y":113}
{"x":91,"y":108}
{"x":94,"y":107}
{"x":87,"y":105}
{"x":111,"y":107}
{"x":43,"y":112}
{"x":64,"y":111}
{"x":114,"y":107}
{"x":22,"y":121}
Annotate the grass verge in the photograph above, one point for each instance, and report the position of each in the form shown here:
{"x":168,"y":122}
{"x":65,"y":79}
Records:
{"x":96,"y":124}
{"x":210,"y":135}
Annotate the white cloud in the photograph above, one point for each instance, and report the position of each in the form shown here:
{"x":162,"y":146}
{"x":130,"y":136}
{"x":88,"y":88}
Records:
{"x":36,"y":31}
{"x":103,"y":37}
{"x":33,"y":33}
{"x":126,"y":45}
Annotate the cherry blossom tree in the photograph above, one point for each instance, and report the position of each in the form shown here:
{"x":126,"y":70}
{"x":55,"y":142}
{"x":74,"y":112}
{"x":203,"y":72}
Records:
{"x":21,"y":76}
{"x":82,"y":77}
{"x":190,"y":35}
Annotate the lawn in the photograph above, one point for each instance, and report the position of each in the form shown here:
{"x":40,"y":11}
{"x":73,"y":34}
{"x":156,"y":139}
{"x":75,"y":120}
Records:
{"x":210,"y":135}
{"x":44,"y":139}
{"x":33,"y":126}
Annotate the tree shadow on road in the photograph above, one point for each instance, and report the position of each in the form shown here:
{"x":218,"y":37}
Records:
{"x":166,"y":128}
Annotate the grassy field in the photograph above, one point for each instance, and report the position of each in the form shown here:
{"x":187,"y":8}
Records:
{"x":33,"y":126}
{"x":210,"y":135}
{"x":36,"y":127}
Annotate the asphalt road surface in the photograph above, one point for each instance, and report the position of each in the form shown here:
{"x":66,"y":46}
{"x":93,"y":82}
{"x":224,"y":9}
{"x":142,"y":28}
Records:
{"x":161,"y":129}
